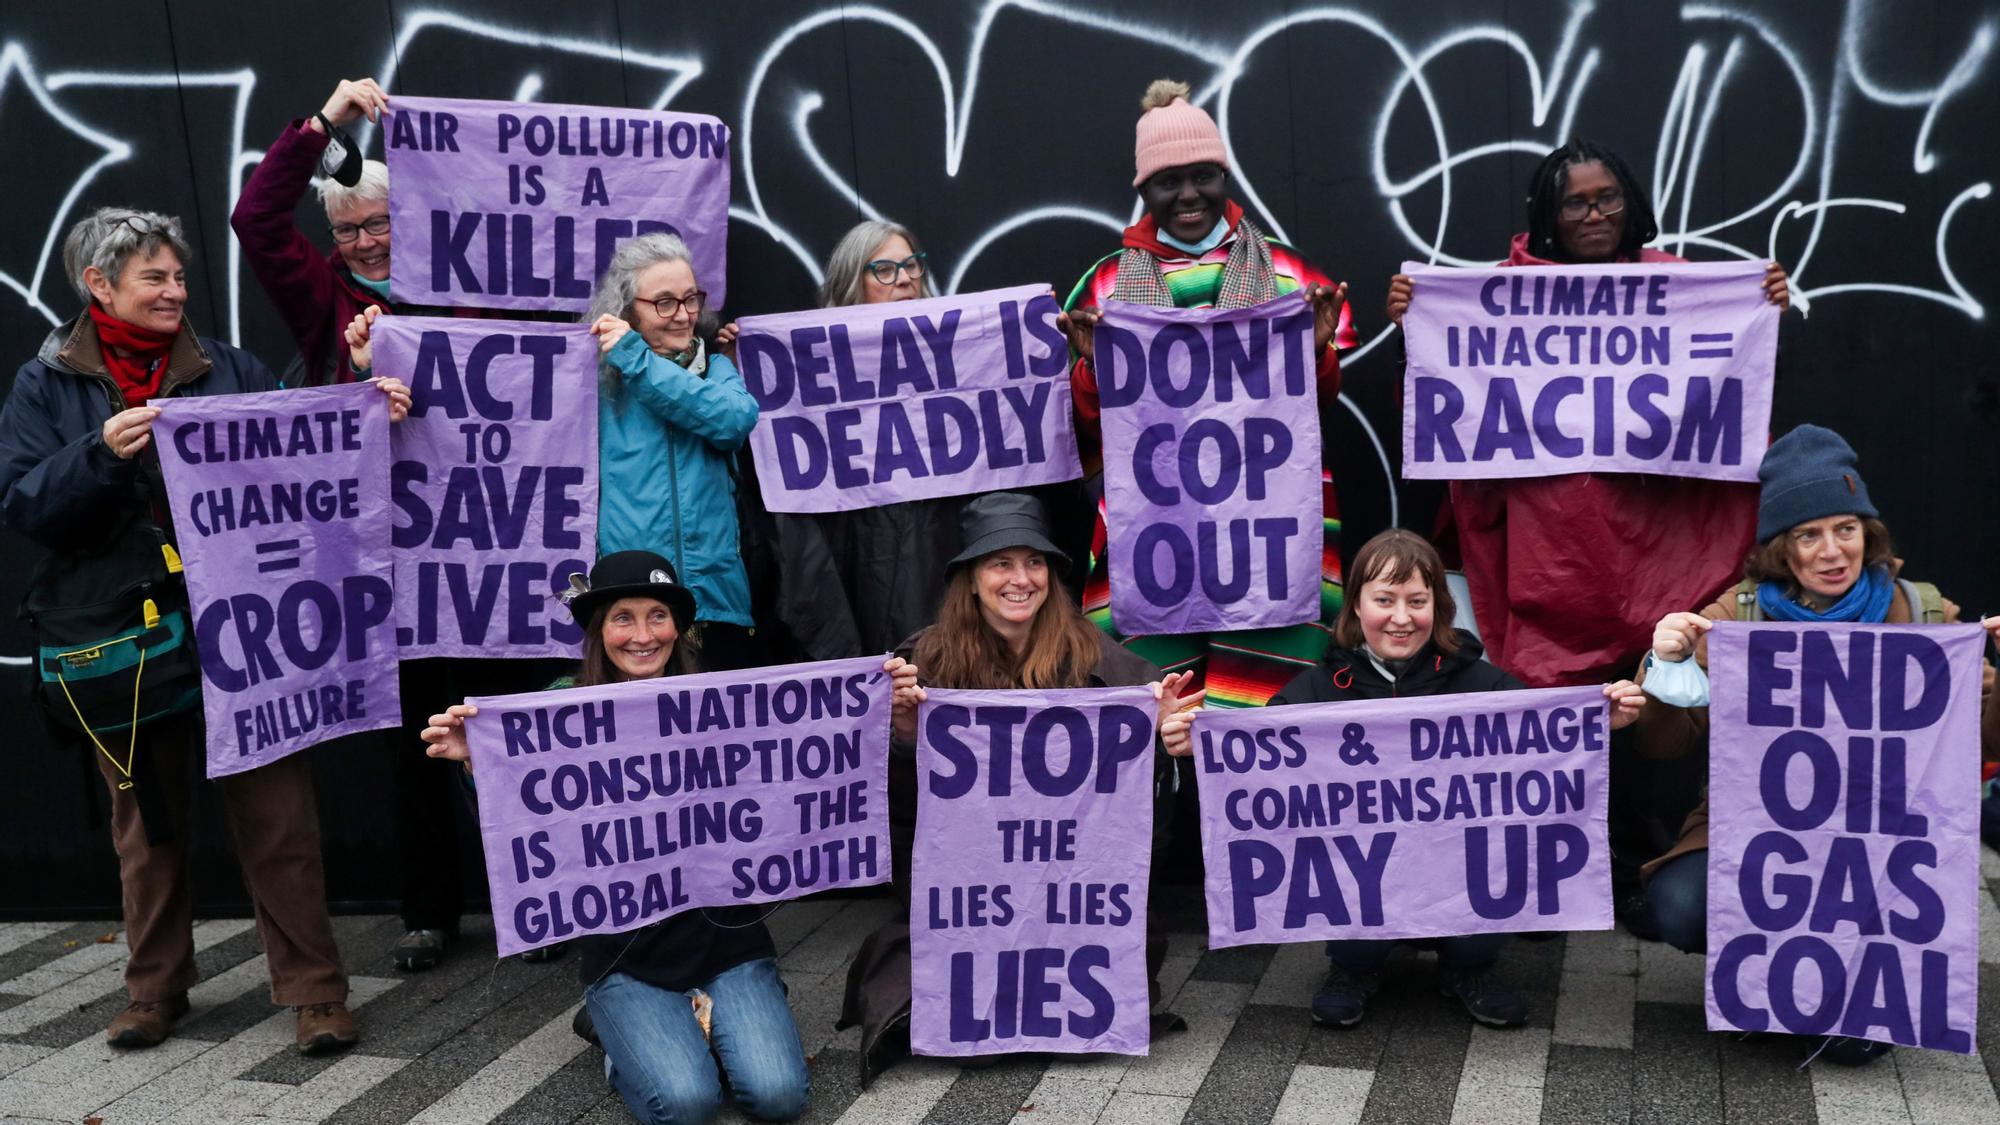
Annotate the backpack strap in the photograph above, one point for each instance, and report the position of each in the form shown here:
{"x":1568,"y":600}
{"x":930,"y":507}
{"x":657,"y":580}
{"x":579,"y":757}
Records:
{"x":1926,"y":602}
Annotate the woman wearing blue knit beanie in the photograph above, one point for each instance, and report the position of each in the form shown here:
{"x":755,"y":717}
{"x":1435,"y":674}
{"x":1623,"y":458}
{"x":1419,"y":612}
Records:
{"x":1823,"y":554}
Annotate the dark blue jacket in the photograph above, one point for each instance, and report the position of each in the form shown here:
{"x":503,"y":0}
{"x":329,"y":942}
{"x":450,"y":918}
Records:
{"x":59,"y":484}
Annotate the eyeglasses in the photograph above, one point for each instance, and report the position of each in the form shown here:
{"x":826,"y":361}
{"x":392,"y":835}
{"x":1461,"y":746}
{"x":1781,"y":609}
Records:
{"x":1573,"y":210}
{"x":668,"y":306}
{"x":344,"y":233}
{"x":885,"y":271}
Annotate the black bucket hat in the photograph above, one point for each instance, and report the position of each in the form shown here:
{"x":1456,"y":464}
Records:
{"x":630,"y":574}
{"x":999,"y":520}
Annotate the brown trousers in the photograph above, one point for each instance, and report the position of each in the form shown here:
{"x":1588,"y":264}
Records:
{"x":276,"y":826}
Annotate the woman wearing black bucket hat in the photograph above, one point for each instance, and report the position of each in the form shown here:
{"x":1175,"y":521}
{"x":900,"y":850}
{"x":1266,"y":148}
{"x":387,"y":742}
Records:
{"x":643,"y":990}
{"x":1005,"y":622}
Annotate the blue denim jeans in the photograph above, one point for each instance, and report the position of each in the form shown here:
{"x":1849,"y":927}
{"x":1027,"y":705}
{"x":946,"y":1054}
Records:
{"x":1678,"y":898}
{"x":1468,"y":951}
{"x":657,"y":1060}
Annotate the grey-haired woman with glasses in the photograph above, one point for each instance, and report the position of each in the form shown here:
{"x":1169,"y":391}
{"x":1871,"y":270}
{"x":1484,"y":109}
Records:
{"x":672,"y":411}
{"x":848,"y":583}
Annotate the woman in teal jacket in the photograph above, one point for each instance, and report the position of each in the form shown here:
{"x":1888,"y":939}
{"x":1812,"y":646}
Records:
{"x":671,"y":412}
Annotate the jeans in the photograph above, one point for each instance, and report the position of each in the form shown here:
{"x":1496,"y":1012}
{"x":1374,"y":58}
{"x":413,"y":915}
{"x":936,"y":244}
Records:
{"x":1468,"y":951}
{"x":1678,"y":897}
{"x":658,"y":1062}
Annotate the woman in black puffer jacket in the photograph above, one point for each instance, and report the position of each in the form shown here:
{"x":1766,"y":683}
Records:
{"x":1394,"y":639}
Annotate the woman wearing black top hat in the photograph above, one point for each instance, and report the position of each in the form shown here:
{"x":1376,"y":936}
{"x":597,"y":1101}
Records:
{"x":1005,"y":622}
{"x":643,"y":989}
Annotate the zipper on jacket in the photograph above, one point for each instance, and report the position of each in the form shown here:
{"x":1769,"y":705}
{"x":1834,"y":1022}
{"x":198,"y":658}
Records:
{"x":674,"y":486}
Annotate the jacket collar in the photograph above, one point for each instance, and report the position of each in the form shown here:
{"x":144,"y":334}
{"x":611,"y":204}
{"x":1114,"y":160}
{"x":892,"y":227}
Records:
{"x":75,"y":348}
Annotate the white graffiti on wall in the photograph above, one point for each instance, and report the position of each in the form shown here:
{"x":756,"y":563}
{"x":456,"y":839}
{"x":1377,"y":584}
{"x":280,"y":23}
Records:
{"x":1559,"y":75}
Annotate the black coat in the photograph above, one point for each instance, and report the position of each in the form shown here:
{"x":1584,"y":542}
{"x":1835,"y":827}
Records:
{"x":1345,"y":674}
{"x":60,"y":485}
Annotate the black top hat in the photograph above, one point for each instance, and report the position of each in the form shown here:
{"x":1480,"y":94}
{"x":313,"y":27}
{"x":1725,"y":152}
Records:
{"x":999,"y":520}
{"x":630,"y":574}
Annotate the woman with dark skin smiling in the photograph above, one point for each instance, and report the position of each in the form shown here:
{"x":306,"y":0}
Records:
{"x":1195,"y":248}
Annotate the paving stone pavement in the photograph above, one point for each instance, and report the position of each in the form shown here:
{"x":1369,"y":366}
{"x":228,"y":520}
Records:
{"x":1617,"y":1036}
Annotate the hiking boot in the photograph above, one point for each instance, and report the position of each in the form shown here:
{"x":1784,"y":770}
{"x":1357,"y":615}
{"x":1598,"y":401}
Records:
{"x":1485,"y":998}
{"x":145,"y":1023}
{"x":326,"y":1028}
{"x":420,"y":950}
{"x":542,"y":954}
{"x":1342,"y":998}
{"x":1843,"y":1051}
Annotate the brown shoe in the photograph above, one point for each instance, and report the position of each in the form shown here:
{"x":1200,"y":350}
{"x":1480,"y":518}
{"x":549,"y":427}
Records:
{"x":326,"y":1028}
{"x":145,"y":1023}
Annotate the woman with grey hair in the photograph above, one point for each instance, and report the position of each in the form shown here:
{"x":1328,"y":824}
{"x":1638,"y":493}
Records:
{"x":318,"y":294}
{"x":848,"y":583}
{"x":80,"y":479}
{"x":672,"y":411}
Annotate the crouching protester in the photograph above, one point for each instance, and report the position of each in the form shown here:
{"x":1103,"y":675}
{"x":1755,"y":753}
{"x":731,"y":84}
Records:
{"x":1394,"y":638}
{"x":80,"y":477}
{"x":673,"y":1000}
{"x":1823,"y":555}
{"x":1005,"y":623}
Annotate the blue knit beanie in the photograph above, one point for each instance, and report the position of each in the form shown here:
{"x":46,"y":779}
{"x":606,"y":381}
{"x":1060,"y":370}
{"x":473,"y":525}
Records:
{"x":1808,"y":474}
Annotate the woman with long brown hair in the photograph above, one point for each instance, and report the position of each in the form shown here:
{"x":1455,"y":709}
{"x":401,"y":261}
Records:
{"x":1005,"y":622}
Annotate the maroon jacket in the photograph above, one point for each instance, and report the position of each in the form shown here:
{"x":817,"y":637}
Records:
{"x":313,"y":292}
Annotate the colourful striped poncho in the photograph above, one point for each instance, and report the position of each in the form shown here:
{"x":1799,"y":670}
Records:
{"x":1239,"y":669}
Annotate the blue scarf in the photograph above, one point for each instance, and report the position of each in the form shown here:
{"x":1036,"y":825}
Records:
{"x":1867,"y":600}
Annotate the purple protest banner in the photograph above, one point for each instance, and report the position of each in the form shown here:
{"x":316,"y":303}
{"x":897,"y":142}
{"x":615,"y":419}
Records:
{"x":871,"y":404}
{"x":607,"y":808}
{"x":1659,"y":368}
{"x":1028,"y":882}
{"x":281,"y":501}
{"x":1212,"y":496}
{"x":495,"y":482}
{"x":1406,"y":818}
{"x":1843,"y":831}
{"x":520,"y":205}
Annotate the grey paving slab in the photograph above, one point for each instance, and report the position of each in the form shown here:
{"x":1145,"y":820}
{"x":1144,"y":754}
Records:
{"x":1416,"y":1077}
{"x":1240,"y":964}
{"x":835,"y":1084}
{"x":1676,"y":1072}
{"x":1323,"y":1095}
{"x":1587,"y":1085}
{"x":569,"y":1094}
{"x":1762,"y":1082}
{"x":988,"y":1096}
{"x":1248,"y":1077}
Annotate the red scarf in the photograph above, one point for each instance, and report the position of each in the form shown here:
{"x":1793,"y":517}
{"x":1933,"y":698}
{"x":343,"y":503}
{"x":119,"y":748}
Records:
{"x":138,"y":372}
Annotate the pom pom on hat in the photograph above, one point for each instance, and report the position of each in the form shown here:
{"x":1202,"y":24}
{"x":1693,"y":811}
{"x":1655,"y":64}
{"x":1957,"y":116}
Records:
{"x":1174,"y":131}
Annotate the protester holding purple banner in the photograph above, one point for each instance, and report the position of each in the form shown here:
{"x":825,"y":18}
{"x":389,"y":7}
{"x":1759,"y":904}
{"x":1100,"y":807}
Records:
{"x":1196,"y":248}
{"x":670,"y":1001}
{"x":1388,"y":642}
{"x":80,"y":478}
{"x":1005,"y":622}
{"x":671,"y":412}
{"x":1564,"y":582}
{"x":859,"y":581}
{"x":1824,"y":555}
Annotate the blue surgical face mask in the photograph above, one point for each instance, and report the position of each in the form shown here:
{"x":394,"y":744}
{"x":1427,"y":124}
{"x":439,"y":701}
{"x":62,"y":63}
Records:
{"x":1197,"y":249}
{"x":379,"y":288}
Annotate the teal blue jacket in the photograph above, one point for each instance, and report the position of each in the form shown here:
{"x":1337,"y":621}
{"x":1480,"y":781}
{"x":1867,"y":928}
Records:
{"x":664,"y":439}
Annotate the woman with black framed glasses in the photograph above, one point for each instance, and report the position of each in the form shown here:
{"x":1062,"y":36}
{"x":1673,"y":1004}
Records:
{"x":847,"y":583}
{"x":672,"y":410}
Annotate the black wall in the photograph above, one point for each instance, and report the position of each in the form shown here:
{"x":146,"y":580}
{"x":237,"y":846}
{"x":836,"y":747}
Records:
{"x":1854,"y":139}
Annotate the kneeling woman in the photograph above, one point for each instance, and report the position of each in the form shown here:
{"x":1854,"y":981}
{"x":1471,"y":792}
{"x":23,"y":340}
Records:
{"x":637,"y":985}
{"x":1823,"y":555}
{"x":1395,"y":638}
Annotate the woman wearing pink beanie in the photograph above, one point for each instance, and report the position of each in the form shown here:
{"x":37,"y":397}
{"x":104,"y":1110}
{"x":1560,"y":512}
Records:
{"x":1195,"y":248}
